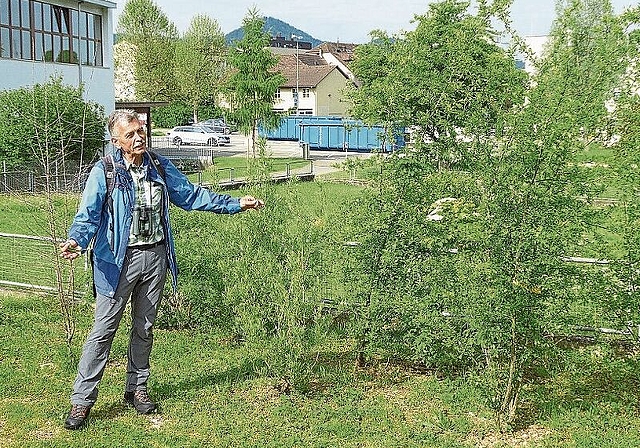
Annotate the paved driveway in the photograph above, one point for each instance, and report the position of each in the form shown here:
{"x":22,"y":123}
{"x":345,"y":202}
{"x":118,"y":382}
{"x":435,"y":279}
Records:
{"x":324,"y":161}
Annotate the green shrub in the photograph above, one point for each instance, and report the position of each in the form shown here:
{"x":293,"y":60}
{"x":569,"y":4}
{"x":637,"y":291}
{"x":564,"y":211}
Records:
{"x":177,"y":114}
{"x":47,"y":123}
{"x":262,"y":276}
{"x":172,"y":115}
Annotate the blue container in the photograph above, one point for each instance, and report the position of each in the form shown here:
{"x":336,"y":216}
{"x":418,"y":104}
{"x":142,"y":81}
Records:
{"x":334,"y":133}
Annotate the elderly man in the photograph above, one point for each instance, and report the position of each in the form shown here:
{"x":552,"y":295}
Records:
{"x":125,"y":212}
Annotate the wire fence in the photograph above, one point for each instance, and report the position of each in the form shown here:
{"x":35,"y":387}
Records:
{"x":29,"y":262}
{"x":30,"y":182}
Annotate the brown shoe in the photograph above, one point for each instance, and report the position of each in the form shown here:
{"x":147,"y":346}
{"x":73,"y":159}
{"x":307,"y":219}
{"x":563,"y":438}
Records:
{"x":141,"y":401}
{"x":77,"y":415}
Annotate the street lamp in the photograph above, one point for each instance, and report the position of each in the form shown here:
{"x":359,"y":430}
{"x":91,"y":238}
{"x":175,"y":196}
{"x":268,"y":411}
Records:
{"x":296,"y":97}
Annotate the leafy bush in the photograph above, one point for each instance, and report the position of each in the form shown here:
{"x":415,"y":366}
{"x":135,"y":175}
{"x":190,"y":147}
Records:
{"x":172,"y":115}
{"x":262,"y":277}
{"x":494,"y":183}
{"x":177,"y":114}
{"x":48,"y":123}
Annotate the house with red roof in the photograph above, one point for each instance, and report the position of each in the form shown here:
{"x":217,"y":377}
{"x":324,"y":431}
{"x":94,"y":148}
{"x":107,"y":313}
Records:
{"x":315,"y":81}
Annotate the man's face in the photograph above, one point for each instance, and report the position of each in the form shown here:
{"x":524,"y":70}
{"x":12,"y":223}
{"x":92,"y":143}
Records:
{"x":131,"y":138}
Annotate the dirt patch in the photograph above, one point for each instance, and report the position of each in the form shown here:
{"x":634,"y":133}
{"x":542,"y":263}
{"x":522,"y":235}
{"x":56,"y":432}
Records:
{"x":527,"y":437}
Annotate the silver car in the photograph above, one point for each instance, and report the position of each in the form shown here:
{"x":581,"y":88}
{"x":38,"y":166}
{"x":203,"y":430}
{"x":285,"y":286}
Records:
{"x":216,"y":123}
{"x":199,"y":135}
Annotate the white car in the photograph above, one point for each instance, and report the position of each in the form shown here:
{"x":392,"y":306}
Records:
{"x":200,"y":135}
{"x":223,"y":139}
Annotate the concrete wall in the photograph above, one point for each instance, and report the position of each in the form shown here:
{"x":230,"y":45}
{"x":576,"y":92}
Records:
{"x":97,"y":81}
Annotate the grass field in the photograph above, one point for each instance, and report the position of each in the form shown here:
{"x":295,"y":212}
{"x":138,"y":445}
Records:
{"x":225,"y":168}
{"x":212,"y":393}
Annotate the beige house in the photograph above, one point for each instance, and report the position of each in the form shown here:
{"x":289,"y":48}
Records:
{"x":319,"y":85}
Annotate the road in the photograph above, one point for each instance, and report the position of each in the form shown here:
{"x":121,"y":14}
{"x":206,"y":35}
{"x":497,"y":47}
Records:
{"x":324,"y":161}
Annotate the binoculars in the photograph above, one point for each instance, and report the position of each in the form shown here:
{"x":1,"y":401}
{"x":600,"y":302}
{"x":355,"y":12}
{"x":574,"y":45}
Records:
{"x":142,"y":217}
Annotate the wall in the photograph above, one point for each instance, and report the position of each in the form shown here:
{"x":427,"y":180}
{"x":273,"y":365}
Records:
{"x":329,"y":97}
{"x":98,"y":81}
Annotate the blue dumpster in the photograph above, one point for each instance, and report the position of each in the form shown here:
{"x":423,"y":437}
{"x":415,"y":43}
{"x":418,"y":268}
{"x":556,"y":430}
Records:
{"x":334,"y":133}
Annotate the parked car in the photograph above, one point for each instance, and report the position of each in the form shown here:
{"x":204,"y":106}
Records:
{"x":223,"y":139}
{"x":218,"y":124}
{"x":202,"y":135}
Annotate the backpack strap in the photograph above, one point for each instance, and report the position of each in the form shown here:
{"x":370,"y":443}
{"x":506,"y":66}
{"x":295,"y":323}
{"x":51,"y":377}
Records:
{"x":109,"y":174}
{"x":157,"y":164}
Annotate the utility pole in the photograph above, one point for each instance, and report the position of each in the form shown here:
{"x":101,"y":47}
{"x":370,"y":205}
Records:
{"x":296,"y":97}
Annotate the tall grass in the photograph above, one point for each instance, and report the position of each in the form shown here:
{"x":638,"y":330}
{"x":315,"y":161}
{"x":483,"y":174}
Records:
{"x":212,"y":393}
{"x":221,"y":384}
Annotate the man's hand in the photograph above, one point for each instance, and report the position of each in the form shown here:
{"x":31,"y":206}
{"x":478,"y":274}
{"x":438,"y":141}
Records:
{"x":69,"y":250}
{"x":249,"y":202}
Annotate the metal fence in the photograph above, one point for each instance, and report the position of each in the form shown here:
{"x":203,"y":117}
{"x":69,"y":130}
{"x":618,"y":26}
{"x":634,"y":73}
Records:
{"x":29,"y":262}
{"x":30,"y":182}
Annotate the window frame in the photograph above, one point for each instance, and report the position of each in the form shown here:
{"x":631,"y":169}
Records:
{"x":35,"y":30}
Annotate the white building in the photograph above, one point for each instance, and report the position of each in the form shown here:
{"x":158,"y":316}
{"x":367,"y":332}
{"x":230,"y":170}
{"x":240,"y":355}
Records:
{"x":69,"y":39}
{"x":537,"y":45}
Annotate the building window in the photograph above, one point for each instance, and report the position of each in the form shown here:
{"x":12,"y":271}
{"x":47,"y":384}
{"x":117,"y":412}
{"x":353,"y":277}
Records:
{"x":37,"y":31}
{"x":305,"y":93}
{"x":277,"y":95}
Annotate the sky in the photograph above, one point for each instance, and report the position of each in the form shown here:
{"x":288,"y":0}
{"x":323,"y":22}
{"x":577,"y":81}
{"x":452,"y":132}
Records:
{"x":346,"y":21}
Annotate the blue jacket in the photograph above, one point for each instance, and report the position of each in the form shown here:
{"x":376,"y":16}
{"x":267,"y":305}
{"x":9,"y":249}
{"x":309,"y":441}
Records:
{"x":110,"y":232}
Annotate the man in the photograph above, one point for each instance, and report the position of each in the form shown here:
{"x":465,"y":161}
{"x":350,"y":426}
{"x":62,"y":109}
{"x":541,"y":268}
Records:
{"x":125,"y":212}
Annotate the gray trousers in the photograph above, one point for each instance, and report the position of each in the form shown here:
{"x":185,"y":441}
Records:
{"x":143,"y":277}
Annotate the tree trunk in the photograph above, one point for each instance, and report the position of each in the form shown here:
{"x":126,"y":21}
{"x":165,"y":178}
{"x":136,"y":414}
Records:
{"x":510,"y":400}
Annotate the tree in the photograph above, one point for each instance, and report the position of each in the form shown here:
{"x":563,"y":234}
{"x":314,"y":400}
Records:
{"x":143,"y":24}
{"x":461,"y":262}
{"x":253,"y":82}
{"x":446,"y":79}
{"x":200,"y":62}
{"x":622,"y":292}
{"x":42,"y":126}
{"x":532,"y":191}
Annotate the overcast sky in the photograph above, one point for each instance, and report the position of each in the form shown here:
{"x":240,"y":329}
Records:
{"x":345,"y":21}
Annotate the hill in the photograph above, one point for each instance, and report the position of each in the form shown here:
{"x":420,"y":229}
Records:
{"x":275,"y":28}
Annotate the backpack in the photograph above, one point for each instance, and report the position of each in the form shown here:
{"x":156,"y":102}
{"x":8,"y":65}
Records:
{"x":110,"y":168}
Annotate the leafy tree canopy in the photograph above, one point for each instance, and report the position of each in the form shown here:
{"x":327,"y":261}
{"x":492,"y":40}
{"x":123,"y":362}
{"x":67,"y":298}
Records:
{"x":47,"y":124}
{"x":142,"y":20}
{"x":446,"y":77}
{"x":200,"y":62}
{"x":144,"y":25}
